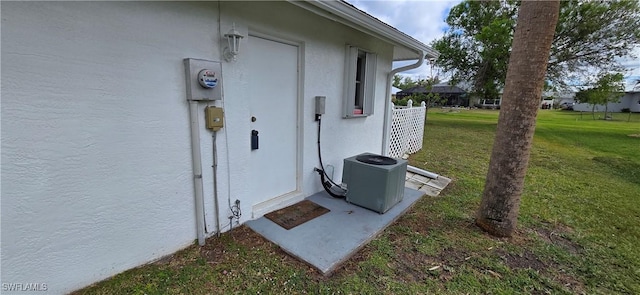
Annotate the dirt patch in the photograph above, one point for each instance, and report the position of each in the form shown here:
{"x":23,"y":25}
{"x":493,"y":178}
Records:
{"x":453,"y":257}
{"x":410,"y":267}
{"x":526,"y":260}
{"x":165,"y":260}
{"x":571,"y":283}
{"x":227,"y":248}
{"x":519,"y":238}
{"x":635,"y":135}
{"x":416,"y":267}
{"x":557,"y":236}
{"x":216,"y":248}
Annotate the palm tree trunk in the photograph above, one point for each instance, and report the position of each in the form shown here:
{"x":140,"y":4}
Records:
{"x":500,"y":203}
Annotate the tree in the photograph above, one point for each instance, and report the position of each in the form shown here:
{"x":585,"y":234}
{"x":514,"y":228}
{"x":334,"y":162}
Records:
{"x":475,"y":47}
{"x":429,"y":98}
{"x":405,"y":83}
{"x":608,"y":88}
{"x":532,"y":40}
{"x":589,"y":35}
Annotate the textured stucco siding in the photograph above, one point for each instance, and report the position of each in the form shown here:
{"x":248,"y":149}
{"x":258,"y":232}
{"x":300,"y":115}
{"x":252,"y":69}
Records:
{"x":96,"y":163}
{"x":324,"y":46}
{"x":629,"y":100}
{"x":634,"y":102}
{"x":96,"y":155}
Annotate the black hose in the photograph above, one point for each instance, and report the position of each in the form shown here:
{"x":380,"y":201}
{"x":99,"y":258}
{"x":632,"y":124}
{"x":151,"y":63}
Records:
{"x":327,"y":185}
{"x":320,"y":156}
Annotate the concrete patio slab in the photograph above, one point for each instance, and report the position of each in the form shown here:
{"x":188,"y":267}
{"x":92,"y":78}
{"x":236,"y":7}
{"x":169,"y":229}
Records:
{"x":430,"y":191}
{"x":327,"y":241}
{"x":413,"y":185}
{"x":440,"y":183}
{"x":421,"y":178}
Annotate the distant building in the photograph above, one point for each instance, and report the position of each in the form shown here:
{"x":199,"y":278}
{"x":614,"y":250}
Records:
{"x":454,"y":95}
{"x":629,"y":102}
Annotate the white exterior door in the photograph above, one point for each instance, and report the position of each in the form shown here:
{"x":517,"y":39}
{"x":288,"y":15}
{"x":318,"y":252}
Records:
{"x":273,"y":89}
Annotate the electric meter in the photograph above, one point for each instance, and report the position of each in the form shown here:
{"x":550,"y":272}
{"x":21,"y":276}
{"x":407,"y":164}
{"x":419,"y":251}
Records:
{"x":204,"y":79}
{"x":207,"y":78}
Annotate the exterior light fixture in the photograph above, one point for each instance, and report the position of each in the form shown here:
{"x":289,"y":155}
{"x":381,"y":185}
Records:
{"x":233,"y":38}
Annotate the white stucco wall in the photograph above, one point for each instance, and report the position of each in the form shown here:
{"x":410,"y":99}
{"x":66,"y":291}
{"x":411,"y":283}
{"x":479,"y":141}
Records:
{"x":96,"y":163}
{"x":96,"y":156}
{"x":323,"y":44}
{"x":630,"y":100}
{"x":634,"y":101}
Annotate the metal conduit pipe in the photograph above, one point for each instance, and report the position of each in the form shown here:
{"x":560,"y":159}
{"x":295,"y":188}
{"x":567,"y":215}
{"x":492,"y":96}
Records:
{"x":197,"y":170}
{"x":388,"y":113}
{"x":215,"y":184}
{"x":422,"y":172}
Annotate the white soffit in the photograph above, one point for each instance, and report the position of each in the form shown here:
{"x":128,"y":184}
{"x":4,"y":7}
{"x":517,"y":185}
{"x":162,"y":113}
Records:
{"x":405,"y":46}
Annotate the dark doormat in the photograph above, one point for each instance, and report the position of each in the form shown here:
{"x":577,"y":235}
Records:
{"x":296,"y":214}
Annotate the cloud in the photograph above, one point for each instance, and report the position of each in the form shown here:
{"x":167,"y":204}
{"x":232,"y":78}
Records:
{"x":632,"y":67}
{"x":423,"y":20}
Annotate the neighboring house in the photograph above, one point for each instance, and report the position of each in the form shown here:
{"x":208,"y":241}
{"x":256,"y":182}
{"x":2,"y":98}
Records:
{"x":394,"y":90}
{"x":489,"y":104}
{"x":560,"y":98}
{"x":547,"y":103}
{"x":453,"y":95}
{"x":630,"y":101}
{"x":99,"y":160}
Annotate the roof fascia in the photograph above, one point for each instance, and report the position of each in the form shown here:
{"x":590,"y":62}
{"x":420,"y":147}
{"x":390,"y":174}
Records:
{"x":352,"y":17}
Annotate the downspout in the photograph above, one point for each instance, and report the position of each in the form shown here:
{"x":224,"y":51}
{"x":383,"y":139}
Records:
{"x":197,"y":170}
{"x":388,"y":113}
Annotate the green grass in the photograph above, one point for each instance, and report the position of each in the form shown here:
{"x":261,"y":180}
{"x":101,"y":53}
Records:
{"x":579,"y":226}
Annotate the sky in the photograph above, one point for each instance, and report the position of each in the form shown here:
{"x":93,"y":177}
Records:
{"x":425,"y":21}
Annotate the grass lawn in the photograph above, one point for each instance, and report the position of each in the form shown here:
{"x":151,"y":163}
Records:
{"x":579,"y":225}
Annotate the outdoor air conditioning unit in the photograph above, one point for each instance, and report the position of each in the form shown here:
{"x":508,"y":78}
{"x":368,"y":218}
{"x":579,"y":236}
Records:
{"x":374,"y":182}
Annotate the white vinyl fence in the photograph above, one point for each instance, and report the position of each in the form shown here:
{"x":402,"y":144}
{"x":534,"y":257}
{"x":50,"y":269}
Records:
{"x":407,"y":129}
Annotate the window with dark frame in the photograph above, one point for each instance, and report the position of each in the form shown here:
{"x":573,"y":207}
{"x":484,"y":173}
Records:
{"x":359,"y":98}
{"x":360,"y":83}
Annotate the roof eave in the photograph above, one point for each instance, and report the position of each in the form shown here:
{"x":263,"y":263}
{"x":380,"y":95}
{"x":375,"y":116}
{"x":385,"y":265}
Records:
{"x":348,"y":15}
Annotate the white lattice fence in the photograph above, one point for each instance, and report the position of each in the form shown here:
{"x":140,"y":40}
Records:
{"x":407,"y":129}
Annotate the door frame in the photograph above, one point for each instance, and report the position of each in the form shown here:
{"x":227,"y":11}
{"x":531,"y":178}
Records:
{"x":293,"y":197}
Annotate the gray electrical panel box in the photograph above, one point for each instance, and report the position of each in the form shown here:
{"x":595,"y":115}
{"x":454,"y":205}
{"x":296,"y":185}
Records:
{"x":320,"y":102}
{"x":203,"y":79}
{"x":377,"y":185}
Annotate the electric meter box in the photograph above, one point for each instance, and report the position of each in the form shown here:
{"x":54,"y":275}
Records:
{"x":203,"y":79}
{"x":374,"y":182}
{"x":214,"y":118}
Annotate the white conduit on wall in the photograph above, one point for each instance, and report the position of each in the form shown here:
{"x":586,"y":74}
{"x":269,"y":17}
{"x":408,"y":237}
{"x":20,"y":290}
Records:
{"x":215,"y":182}
{"x":197,"y":170}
